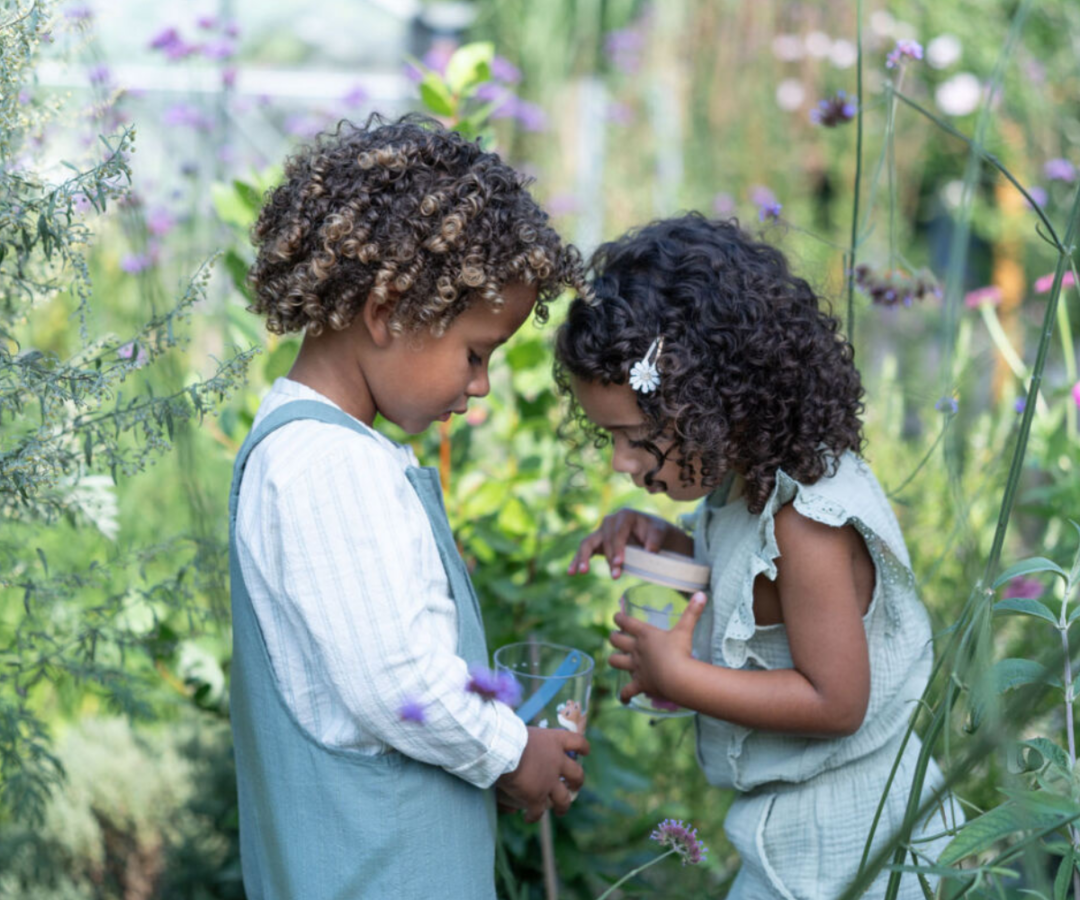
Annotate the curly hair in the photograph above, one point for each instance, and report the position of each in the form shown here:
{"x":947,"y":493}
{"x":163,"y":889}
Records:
{"x":405,"y":213}
{"x":755,"y":376}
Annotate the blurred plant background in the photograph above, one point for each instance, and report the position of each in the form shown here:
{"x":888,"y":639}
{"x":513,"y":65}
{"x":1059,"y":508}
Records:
{"x":138,"y":140}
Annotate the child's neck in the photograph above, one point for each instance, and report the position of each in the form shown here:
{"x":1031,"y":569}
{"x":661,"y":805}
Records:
{"x":328,"y":364}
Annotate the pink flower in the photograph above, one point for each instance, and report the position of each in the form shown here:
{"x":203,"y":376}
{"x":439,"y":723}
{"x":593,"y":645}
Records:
{"x":477,"y":415}
{"x":682,"y":838}
{"x":723,"y":205}
{"x":160,"y":221}
{"x":990,"y":294}
{"x":1076,"y":394}
{"x":904,"y":50}
{"x":134,"y":353}
{"x":1043,"y":285}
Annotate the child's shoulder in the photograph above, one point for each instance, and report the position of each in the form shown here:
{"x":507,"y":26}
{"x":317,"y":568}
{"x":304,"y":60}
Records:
{"x":307,"y":447}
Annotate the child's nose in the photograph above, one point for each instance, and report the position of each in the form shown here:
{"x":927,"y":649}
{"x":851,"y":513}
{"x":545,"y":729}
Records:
{"x":623,"y":461}
{"x":480,"y":386}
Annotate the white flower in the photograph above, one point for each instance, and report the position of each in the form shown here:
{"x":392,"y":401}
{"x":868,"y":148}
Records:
{"x":644,"y":376}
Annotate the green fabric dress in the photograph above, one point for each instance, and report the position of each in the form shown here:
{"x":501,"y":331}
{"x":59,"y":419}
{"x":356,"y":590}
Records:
{"x":806,"y":804}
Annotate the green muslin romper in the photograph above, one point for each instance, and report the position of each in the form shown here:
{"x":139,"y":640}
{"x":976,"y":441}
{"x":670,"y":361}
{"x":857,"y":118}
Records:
{"x":805,"y":804}
{"x":326,"y":823}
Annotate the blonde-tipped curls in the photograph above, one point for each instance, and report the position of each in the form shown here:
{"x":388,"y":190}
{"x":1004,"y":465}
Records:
{"x":403,"y":213}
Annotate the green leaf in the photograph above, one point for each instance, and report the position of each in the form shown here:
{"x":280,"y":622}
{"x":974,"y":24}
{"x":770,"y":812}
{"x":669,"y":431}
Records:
{"x":436,"y":95}
{"x":983,"y":832}
{"x":526,"y":355}
{"x":1028,"y":567}
{"x":1008,"y":674}
{"x":237,"y":268}
{"x":1064,"y":876}
{"x":231,"y":207}
{"x":1050,"y":752}
{"x":1025,"y":607}
{"x":470,"y":64}
{"x":249,"y":194}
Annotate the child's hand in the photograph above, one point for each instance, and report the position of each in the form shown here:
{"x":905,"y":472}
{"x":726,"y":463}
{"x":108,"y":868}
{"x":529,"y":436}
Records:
{"x":614,"y":533}
{"x":652,"y":656}
{"x":546,"y":777}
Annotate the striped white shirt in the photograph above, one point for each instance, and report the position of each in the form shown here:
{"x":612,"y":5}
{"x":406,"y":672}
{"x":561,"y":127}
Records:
{"x":345,"y":578}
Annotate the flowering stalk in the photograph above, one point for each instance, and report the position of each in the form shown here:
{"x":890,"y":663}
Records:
{"x":858,"y":176}
{"x":637,"y":871}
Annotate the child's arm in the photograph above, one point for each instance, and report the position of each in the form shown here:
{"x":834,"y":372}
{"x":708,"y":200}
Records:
{"x":827,"y":691}
{"x":628,"y":526}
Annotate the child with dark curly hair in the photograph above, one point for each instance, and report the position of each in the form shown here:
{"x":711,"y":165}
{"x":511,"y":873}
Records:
{"x":717,"y":376}
{"x":407,"y":255}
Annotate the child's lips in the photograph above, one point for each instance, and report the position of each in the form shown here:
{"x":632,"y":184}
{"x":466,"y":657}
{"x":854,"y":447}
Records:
{"x":445,"y":417}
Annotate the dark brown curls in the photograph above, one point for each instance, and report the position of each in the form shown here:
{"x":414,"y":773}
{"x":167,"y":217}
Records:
{"x":754,"y":375}
{"x":404,"y":213}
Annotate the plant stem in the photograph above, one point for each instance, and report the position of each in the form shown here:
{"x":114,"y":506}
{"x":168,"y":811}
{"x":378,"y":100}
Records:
{"x":858,"y":176}
{"x":636,"y":871}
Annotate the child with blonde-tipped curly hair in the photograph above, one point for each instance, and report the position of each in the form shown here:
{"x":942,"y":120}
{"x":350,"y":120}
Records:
{"x":407,"y":255}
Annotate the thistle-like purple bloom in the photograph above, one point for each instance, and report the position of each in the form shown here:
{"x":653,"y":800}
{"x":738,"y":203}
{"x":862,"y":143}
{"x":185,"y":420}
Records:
{"x":1059,"y":169}
{"x":891,"y":288}
{"x":682,"y":839}
{"x":492,"y":685}
{"x":1020,"y":405}
{"x":134,"y":263}
{"x":219,"y":50}
{"x":947,"y":405}
{"x":505,"y":71}
{"x":412,"y":711}
{"x":98,"y":74}
{"x":834,"y":111}
{"x":1038,"y":197}
{"x":904,"y":50}
{"x":164,"y":38}
{"x":769,"y":211}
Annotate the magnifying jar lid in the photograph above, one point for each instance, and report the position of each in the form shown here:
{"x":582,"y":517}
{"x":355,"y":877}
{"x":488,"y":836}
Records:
{"x":669,"y":569}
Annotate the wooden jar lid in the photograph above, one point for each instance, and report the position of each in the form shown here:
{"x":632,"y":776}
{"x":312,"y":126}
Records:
{"x":669,"y":569}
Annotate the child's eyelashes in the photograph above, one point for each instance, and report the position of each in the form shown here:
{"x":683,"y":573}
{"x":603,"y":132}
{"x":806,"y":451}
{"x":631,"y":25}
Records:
{"x":474,"y":358}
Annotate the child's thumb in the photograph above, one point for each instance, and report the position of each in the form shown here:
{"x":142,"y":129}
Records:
{"x":693,"y":612}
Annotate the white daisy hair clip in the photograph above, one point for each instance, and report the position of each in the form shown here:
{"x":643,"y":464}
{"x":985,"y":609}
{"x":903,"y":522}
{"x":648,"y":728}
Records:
{"x":644,"y":374}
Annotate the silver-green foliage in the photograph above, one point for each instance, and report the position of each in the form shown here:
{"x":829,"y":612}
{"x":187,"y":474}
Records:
{"x":65,"y":423}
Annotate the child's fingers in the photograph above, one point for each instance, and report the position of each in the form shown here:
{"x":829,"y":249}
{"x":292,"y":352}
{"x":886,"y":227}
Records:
{"x":630,"y":691}
{"x":691,"y":614}
{"x":572,"y":774}
{"x":620,"y":640}
{"x":534,"y":813}
{"x":616,"y":537}
{"x":621,"y":661}
{"x":630,"y":625}
{"x":561,"y":799}
{"x":574,"y":743}
{"x":586,"y":549}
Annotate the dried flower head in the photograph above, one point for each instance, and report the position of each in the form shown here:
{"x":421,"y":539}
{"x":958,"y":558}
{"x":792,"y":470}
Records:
{"x":834,"y":111}
{"x":682,"y":839}
{"x":890,"y":288}
{"x":493,"y":685}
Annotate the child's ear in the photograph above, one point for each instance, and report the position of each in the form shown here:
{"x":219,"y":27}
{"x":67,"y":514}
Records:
{"x":377,"y":321}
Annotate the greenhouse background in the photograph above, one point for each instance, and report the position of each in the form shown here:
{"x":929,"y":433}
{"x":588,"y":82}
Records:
{"x":933,"y":203}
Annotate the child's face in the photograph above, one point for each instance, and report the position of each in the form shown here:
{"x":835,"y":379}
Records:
{"x":418,"y":379}
{"x":614,"y":408}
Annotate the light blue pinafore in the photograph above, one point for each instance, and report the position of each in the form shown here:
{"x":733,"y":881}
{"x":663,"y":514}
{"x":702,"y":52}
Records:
{"x":806,"y":804}
{"x":324,"y":823}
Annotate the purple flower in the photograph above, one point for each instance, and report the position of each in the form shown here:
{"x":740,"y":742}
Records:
{"x":439,"y":55}
{"x":1059,"y":169}
{"x":134,"y":263}
{"x":891,"y":288}
{"x":134,"y":353}
{"x":231,"y":29}
{"x":619,"y":113}
{"x":723,"y":205}
{"x":562,"y":204}
{"x":24,"y":97}
{"x":492,"y":685}
{"x":682,"y":839}
{"x":303,"y":125}
{"x":1020,"y":405}
{"x":219,"y":50}
{"x":185,"y":115}
{"x":530,"y":116}
{"x":1038,"y":195}
{"x":164,"y":39}
{"x":98,"y":74}
{"x":160,"y":221}
{"x":761,"y":195}
{"x":833,"y":111}
{"x":624,"y":47}
{"x":1043,"y":284}
{"x":505,"y":71}
{"x":1023,"y":588}
{"x":769,"y":211}
{"x":356,"y":96}
{"x":79,"y":12}
{"x":412,"y":711}
{"x":180,"y":50}
{"x":1076,"y":394}
{"x":505,"y":101}
{"x":947,"y":405}
{"x":228,"y":77}
{"x":207,"y":23}
{"x":904,"y":50}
